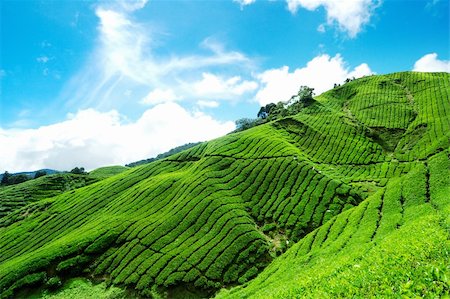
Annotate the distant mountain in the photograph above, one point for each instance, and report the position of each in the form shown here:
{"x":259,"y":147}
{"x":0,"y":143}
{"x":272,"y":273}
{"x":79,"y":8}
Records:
{"x":32,"y":173}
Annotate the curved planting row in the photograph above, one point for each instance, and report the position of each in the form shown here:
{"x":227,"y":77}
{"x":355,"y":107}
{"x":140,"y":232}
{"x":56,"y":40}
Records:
{"x":395,"y":243}
{"x":217,"y":214}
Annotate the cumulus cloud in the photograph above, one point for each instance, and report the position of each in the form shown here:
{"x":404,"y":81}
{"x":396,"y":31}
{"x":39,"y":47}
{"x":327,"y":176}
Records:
{"x":320,"y":73}
{"x":431,"y":63}
{"x":208,"y":104}
{"x":350,"y":15}
{"x":92,"y":139}
{"x":158,"y":96}
{"x":217,"y":87}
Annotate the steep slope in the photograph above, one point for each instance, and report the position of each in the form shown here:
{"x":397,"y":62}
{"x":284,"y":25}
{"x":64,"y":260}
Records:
{"x":217,"y":214}
{"x":394,"y":244}
{"x":397,"y":242}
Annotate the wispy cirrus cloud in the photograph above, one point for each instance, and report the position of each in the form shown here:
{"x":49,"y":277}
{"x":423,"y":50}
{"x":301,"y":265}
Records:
{"x":126,"y":59}
{"x":124,"y":69}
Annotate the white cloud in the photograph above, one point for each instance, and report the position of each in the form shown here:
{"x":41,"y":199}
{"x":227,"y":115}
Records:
{"x":126,"y":58}
{"x":431,"y":63}
{"x":92,"y":139}
{"x":158,"y":96}
{"x":127,"y":48}
{"x":243,"y":3}
{"x":320,"y":73}
{"x":349,"y":15}
{"x":216,"y":87}
{"x":208,"y":104}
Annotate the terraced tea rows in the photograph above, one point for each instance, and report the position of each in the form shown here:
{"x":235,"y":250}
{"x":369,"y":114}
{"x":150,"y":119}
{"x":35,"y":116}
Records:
{"x":395,"y":243}
{"x":17,"y":196}
{"x":337,"y":175}
{"x":15,"y":201}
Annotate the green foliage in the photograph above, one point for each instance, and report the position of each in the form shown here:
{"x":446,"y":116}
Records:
{"x":80,"y":288}
{"x":5,"y":178}
{"x":77,"y":170}
{"x":13,"y":179}
{"x":53,"y":283}
{"x":349,"y":209}
{"x":396,"y":242}
{"x":270,"y":112}
{"x":20,"y":201}
{"x":106,"y":172}
{"x":40,"y":173}
{"x":247,"y":123}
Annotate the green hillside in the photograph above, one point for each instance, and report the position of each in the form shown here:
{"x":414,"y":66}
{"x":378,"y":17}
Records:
{"x":350,"y":197}
{"x":18,"y":196}
{"x":107,"y":171}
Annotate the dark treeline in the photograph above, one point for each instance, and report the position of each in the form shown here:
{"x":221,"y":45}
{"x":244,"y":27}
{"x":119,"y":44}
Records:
{"x":8,"y":179}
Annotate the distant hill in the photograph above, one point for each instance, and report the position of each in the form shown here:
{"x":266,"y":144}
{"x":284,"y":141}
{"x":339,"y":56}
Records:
{"x":17,"y":198}
{"x":107,"y":171}
{"x":164,"y":155}
{"x":349,"y":198}
{"x":32,"y":173}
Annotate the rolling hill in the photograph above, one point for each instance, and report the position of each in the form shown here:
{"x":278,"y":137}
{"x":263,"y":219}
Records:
{"x":17,"y":199}
{"x":350,"y":197}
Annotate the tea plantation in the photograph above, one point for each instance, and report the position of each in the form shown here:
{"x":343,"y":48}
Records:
{"x":348,"y":198}
{"x":18,"y":198}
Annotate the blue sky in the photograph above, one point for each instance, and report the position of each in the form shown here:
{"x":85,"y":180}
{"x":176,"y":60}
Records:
{"x":90,"y":83}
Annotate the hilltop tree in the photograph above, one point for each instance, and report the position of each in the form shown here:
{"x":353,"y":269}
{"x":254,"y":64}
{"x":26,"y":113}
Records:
{"x":278,"y":111}
{"x":271,"y":111}
{"x":40,"y":173}
{"x":303,"y":99}
{"x":77,"y":170}
{"x":305,"y":94}
{"x":265,"y":111}
{"x":18,"y":178}
{"x":10,"y":179}
{"x":5,"y":179}
{"x":244,"y":124}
